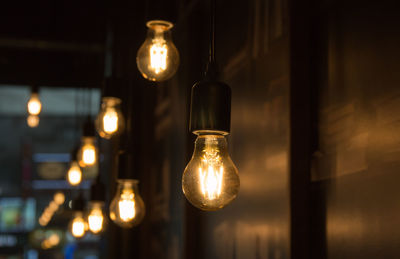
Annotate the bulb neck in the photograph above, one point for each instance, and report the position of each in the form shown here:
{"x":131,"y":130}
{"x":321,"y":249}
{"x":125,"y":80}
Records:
{"x":127,"y":185}
{"x":159,"y":25}
{"x":205,"y":142}
{"x":110,"y":102}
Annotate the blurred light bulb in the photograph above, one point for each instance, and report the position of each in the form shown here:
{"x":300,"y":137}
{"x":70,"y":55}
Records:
{"x":96,"y":217}
{"x":32,"y":121}
{"x":78,"y":225}
{"x":210,"y":180}
{"x":59,"y":198}
{"x":110,"y":120}
{"x":74,"y":175}
{"x":87,"y":154}
{"x":158,"y":58}
{"x":127,"y":208}
{"x":34,"y":105}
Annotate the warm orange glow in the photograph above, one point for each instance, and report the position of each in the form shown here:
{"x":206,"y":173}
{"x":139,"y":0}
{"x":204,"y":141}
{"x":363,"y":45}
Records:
{"x":34,"y":105}
{"x":95,"y":220}
{"x":32,"y":121}
{"x":126,"y":206}
{"x":74,"y":175}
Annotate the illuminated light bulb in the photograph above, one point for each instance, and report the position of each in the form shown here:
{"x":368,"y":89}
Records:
{"x":32,"y":121}
{"x":74,"y":175}
{"x":78,"y":225}
{"x":87,"y":154}
{"x":34,"y":105}
{"x":53,"y":206}
{"x":110,"y":121}
{"x":210,"y":180}
{"x":96,"y":217}
{"x":59,"y":198}
{"x":158,"y":58}
{"x":127,"y":208}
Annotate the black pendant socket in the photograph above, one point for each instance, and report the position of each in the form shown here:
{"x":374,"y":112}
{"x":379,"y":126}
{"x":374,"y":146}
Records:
{"x":125,"y":165}
{"x":35,"y":89}
{"x":78,"y":204}
{"x":97,"y":192}
{"x":88,"y":128}
{"x":210,"y":109}
{"x":74,"y":153}
{"x":113,"y":87}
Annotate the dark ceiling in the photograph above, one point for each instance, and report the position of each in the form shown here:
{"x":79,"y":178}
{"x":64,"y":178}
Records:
{"x":54,"y":43}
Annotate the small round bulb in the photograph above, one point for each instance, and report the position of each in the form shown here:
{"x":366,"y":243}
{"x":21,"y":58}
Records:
{"x":110,"y":121}
{"x":34,"y":105}
{"x":96,"y":217}
{"x":32,"y":121}
{"x":78,"y":226}
{"x":74,"y":175}
{"x":87,"y":154}
{"x":210,"y":180}
{"x":158,"y":58}
{"x":59,"y":198}
{"x":127,"y":207}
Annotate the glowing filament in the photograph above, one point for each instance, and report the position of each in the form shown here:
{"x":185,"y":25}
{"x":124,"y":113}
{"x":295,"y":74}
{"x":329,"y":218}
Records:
{"x":78,"y":227}
{"x":110,"y":121}
{"x":95,"y":220}
{"x":158,"y":55}
{"x":126,"y":206}
{"x":34,"y":105}
{"x":74,"y":174}
{"x":88,"y":154}
{"x":211,"y":181}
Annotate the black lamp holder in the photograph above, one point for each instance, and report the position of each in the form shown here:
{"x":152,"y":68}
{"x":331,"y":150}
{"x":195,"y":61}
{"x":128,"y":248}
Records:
{"x":112,"y":87}
{"x":35,"y":89}
{"x":210,"y":110}
{"x":78,"y":204}
{"x":97,"y":191}
{"x":88,"y":128}
{"x":74,"y":153}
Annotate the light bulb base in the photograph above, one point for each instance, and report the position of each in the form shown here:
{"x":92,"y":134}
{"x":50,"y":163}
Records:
{"x":88,"y":128}
{"x":125,"y":165}
{"x":97,"y":192}
{"x":210,"y":110}
{"x":113,"y":87}
{"x":78,"y":204}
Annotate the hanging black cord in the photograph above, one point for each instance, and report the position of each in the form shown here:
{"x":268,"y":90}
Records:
{"x":211,"y":71}
{"x":212,"y":30}
{"x":90,"y":102}
{"x":129,"y":119}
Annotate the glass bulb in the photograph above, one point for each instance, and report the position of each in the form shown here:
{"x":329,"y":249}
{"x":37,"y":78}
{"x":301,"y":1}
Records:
{"x":32,"y":121}
{"x":210,"y":180}
{"x":59,"y":198}
{"x":110,"y":120}
{"x":87,"y":154}
{"x":78,"y":226}
{"x":34,"y":105}
{"x":158,"y":58}
{"x":74,"y":175}
{"x":127,"y":208}
{"x":96,"y":217}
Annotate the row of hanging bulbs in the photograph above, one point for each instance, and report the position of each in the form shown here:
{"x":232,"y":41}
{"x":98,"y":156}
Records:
{"x":210,"y":180}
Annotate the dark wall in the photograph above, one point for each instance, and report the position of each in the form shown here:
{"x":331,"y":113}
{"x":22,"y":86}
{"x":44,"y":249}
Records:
{"x":356,"y":176}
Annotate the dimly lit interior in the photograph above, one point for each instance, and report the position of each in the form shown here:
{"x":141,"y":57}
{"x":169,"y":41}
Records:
{"x":193,"y":129}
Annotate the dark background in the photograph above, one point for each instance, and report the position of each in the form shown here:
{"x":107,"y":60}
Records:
{"x":315,"y":128}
